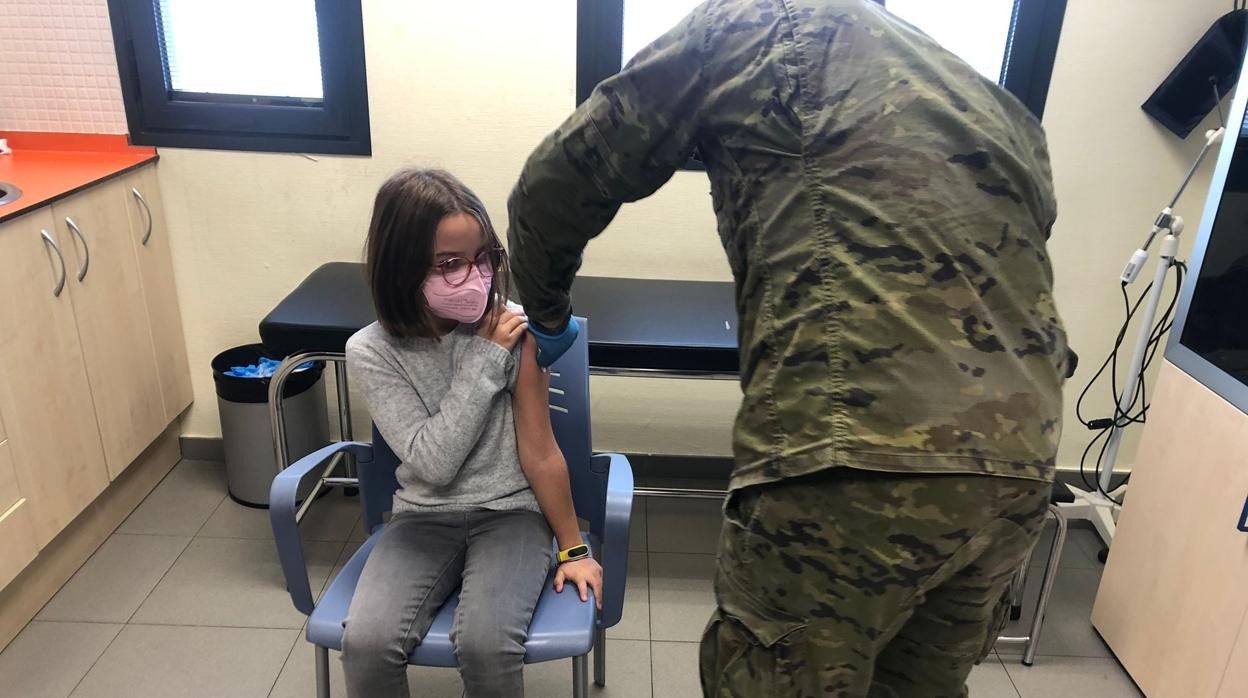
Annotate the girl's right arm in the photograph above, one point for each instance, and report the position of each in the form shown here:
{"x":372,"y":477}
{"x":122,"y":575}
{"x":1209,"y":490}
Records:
{"x":436,"y":445}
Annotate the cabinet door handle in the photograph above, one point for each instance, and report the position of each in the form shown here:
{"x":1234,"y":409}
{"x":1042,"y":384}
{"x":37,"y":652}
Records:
{"x":47,"y":240}
{"x":147,"y":235}
{"x":1243,"y":518}
{"x":86,"y":251}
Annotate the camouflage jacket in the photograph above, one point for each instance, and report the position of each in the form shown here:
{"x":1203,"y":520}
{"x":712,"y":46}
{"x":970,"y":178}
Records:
{"x":884,"y":209}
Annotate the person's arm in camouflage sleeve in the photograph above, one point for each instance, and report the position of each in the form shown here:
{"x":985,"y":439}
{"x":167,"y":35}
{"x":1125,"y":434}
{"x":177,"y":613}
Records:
{"x":620,"y":145}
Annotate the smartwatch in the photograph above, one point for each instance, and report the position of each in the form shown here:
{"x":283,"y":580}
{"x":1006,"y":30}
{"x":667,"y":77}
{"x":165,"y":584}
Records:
{"x":576,"y":552}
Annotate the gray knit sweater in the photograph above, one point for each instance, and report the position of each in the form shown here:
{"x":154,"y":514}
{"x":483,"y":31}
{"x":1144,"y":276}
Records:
{"x":444,"y":407}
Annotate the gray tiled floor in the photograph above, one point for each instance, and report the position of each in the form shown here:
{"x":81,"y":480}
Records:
{"x":183,"y":501}
{"x":333,"y":519}
{"x":233,"y":583}
{"x":681,"y":597}
{"x":186,"y":599}
{"x":94,"y":595}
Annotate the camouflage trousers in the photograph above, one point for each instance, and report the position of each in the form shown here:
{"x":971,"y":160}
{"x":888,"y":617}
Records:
{"x":853,"y":583}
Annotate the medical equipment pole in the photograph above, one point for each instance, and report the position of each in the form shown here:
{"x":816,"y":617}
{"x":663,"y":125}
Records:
{"x":1169,"y":249}
{"x":1099,"y":506}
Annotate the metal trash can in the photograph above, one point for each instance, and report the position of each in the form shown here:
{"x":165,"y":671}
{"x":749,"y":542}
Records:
{"x":243,"y":403}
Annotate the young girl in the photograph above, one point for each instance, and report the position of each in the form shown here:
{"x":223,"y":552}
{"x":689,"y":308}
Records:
{"x":456,"y":392}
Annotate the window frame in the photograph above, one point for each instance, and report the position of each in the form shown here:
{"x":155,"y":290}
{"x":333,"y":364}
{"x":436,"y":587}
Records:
{"x":1030,"y":51}
{"x":158,"y":115}
{"x":1027,"y":64}
{"x":599,"y":43}
{"x":599,"y":49}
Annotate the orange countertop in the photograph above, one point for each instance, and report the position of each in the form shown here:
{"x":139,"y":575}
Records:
{"x":51,"y":166}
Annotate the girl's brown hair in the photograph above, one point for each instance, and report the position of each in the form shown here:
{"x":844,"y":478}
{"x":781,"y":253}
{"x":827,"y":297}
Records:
{"x":399,"y":254}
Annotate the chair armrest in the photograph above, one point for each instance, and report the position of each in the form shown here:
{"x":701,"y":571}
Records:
{"x":282,"y":508}
{"x":617,"y":518}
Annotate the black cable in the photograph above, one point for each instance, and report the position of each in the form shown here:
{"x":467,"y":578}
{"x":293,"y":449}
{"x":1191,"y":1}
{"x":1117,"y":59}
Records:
{"x":1113,"y":356}
{"x":1154,"y":342}
{"x":1217,"y":100}
{"x":1122,"y":333}
{"x":1163,"y":326}
{"x":1125,"y":417}
{"x":1083,"y":473}
{"x":1156,"y":333}
{"x":1159,"y":330}
{"x":1082,"y":395}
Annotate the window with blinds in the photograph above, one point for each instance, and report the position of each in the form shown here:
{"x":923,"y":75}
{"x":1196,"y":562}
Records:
{"x":261,"y":75}
{"x":976,"y":30}
{"x":242,"y":47}
{"x":1011,"y":42}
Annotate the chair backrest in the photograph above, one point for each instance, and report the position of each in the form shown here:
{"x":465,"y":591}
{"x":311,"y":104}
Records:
{"x":378,"y":481}
{"x":570,"y":418}
{"x":569,"y":414}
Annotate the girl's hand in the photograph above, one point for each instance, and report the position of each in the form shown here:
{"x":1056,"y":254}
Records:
{"x":584,"y":574}
{"x":504,"y":327}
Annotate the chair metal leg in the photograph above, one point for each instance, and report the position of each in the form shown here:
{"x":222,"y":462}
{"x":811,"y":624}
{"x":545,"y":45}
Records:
{"x":344,"y":422}
{"x":1046,"y":588}
{"x":1016,"y":589}
{"x":322,"y":671}
{"x":580,"y":676}
{"x":600,"y":657}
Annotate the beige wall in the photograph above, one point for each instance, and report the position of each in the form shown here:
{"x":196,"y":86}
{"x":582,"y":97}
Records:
{"x":1114,"y":169}
{"x":472,"y":85}
{"x":469,"y":86}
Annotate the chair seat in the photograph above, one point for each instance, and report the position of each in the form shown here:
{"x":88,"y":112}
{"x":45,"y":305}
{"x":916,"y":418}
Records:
{"x":562,"y":626}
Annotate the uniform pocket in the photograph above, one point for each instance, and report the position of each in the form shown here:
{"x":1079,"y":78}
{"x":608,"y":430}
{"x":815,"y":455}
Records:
{"x":753,"y":583}
{"x":762,"y":620}
{"x":741,"y":507}
{"x":721,"y":656}
{"x":737,"y":662}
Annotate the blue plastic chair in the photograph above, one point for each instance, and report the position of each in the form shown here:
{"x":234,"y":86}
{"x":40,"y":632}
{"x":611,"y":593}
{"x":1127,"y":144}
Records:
{"x":562,"y":626}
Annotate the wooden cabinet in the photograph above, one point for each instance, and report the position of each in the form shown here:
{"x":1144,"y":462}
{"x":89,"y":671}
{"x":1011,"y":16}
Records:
{"x":45,"y":397}
{"x":151,"y":243}
{"x":113,"y":325}
{"x":93,"y":364}
{"x":20,"y":546}
{"x":15,"y":528}
{"x":1173,"y":598}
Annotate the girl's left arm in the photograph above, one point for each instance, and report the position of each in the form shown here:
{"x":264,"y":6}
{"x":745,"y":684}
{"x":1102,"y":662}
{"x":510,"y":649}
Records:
{"x":547,"y":471}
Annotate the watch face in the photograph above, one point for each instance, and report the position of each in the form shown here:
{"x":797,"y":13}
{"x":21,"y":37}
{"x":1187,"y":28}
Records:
{"x":578,"y":550}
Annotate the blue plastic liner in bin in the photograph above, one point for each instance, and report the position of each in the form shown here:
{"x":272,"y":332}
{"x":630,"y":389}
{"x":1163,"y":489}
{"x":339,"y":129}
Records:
{"x":257,"y":370}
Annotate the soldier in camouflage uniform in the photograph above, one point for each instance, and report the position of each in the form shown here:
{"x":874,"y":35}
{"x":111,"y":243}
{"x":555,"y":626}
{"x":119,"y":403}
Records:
{"x":885,"y":211}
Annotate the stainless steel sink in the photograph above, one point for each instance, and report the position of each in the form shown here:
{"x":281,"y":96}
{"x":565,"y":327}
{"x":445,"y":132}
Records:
{"x":9,"y":193}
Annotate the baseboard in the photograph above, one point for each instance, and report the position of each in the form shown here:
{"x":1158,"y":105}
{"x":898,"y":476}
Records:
{"x":22,"y":599}
{"x":210,"y":448}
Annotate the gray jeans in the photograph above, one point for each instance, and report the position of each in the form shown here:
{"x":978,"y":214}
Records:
{"x":501,"y":559}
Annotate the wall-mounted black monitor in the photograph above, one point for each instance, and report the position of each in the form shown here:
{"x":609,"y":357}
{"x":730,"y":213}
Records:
{"x":1210,"y":337}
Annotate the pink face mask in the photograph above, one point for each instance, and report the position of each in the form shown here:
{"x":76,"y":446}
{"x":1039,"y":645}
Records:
{"x":463,"y":303}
